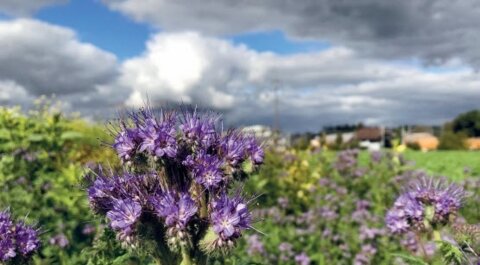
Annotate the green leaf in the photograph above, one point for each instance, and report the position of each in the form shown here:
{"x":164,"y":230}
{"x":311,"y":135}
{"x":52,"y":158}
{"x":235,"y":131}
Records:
{"x":36,"y":137}
{"x":410,"y":259}
{"x":71,"y":135}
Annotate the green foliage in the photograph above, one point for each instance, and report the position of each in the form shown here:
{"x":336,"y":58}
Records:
{"x":452,"y":254}
{"x":452,"y":141}
{"x":468,"y":123}
{"x":42,"y":157}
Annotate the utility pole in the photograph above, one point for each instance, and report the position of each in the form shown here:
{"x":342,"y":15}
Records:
{"x":276,"y":121}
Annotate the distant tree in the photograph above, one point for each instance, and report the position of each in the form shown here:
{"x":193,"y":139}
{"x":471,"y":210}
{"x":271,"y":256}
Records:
{"x":323,"y":139}
{"x":468,"y":123}
{"x":449,"y":140}
{"x":338,"y":141}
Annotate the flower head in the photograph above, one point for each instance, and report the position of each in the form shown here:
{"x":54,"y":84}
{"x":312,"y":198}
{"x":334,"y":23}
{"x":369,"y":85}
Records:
{"x":302,"y":259}
{"x":59,"y":240}
{"x":199,"y":129}
{"x":158,"y":137}
{"x":230,"y":216}
{"x":425,"y":199}
{"x":126,"y":143}
{"x":176,"y":209}
{"x":207,"y":170}
{"x":26,"y":239}
{"x":16,"y":238}
{"x":124,"y":215}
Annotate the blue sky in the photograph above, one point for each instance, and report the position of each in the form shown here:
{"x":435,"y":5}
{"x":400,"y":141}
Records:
{"x":96,"y":24}
{"x":357,"y":65}
{"x":112,"y":31}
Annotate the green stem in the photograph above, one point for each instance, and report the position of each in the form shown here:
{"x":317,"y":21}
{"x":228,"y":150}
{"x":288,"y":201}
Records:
{"x":436,"y":235}
{"x":186,"y":259}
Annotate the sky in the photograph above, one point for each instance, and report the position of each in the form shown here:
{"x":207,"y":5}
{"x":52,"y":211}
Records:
{"x":332,"y":61}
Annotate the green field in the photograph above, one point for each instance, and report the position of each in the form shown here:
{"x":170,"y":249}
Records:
{"x":447,"y":163}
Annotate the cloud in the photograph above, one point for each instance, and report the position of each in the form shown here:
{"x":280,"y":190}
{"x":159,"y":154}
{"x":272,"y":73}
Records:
{"x":334,"y":86}
{"x":25,"y":7}
{"x":433,"y":31}
{"x":38,"y":58}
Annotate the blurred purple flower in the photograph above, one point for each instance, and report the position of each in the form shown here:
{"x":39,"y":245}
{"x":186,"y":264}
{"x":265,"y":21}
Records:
{"x":302,"y":259}
{"x":255,"y":245}
{"x":59,"y":240}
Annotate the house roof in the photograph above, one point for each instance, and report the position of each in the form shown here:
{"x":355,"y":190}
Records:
{"x":369,"y":134}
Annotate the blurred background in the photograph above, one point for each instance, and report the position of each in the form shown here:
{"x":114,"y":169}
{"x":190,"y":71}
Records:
{"x":395,"y":81}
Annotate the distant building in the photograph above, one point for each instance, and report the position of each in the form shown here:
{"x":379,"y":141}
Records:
{"x":425,"y":141}
{"x":268,"y":137}
{"x":330,"y":139}
{"x":260,"y":131}
{"x":370,"y":138}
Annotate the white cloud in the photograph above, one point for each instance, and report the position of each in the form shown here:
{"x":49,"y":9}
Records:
{"x":316,"y":88}
{"x":25,"y":7}
{"x":38,"y":58}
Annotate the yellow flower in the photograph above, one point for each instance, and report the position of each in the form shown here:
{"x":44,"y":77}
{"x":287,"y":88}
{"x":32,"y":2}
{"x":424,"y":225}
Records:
{"x":400,"y":148}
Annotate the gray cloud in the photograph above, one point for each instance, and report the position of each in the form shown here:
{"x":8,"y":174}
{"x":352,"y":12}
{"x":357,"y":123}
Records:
{"x":25,"y":7}
{"x":42,"y":59}
{"x":436,"y":31}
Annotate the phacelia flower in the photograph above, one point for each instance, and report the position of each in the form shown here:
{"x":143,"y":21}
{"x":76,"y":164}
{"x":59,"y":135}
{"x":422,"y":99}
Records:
{"x":176,"y":209}
{"x":124,"y":215}
{"x":254,"y":150}
{"x":346,"y":161}
{"x":26,"y":239}
{"x":207,"y":171}
{"x":158,"y":138}
{"x":126,"y":143}
{"x":178,"y":171}
{"x":16,"y":239}
{"x":199,"y":130}
{"x":255,"y":246}
{"x":59,"y":240}
{"x":302,"y":259}
{"x":233,"y":147}
{"x":230,"y":216}
{"x":427,"y":200}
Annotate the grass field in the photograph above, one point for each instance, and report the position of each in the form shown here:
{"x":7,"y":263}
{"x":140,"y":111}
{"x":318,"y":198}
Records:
{"x":448,"y":163}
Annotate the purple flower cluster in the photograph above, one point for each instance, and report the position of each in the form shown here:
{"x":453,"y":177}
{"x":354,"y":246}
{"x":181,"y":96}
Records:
{"x":179,"y":169}
{"x":17,"y":240}
{"x":425,"y":203}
